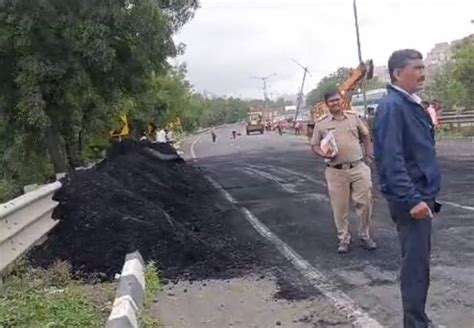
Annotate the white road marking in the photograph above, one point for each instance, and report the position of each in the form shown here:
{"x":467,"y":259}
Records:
{"x":345,"y":304}
{"x":193,"y":144}
{"x":291,"y":172}
{"x":319,"y":197}
{"x":228,"y":196}
{"x":289,"y":187}
{"x":464,"y":207}
{"x":302,"y":175}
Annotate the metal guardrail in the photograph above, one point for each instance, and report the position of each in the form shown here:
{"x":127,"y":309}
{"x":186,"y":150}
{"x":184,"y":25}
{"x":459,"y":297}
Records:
{"x":455,"y":113}
{"x":25,"y":221}
{"x":459,"y":119}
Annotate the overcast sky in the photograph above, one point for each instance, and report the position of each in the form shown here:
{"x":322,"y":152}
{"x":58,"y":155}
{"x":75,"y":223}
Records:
{"x":229,"y":41}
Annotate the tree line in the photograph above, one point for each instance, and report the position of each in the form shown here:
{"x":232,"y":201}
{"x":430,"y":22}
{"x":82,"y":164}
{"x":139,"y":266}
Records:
{"x":70,"y":68}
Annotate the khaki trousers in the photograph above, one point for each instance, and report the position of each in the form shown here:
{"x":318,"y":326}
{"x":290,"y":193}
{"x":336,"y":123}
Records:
{"x":344,"y":185}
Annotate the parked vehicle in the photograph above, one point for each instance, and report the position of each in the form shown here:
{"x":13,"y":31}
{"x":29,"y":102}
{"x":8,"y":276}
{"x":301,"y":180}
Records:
{"x":255,"y":123}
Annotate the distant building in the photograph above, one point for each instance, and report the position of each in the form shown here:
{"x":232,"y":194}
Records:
{"x":441,"y":54}
{"x":381,"y":72}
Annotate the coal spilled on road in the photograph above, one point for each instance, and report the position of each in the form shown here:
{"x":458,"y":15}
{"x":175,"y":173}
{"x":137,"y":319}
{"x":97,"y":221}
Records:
{"x":165,"y":209}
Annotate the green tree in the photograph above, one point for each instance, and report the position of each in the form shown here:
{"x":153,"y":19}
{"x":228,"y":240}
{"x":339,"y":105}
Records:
{"x":69,"y":64}
{"x":463,"y":70}
{"x":446,"y":88}
{"x":327,"y":83}
{"x":454,"y":82}
{"x":69,"y":68}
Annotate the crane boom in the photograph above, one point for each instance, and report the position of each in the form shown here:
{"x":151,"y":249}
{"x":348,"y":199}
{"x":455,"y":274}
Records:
{"x":357,"y":75}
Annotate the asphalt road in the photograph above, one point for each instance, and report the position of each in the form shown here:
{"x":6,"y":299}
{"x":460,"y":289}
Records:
{"x":281,"y":185}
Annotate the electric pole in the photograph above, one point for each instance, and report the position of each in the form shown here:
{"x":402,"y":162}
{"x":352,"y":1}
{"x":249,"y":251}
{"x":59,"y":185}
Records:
{"x":359,"y":51}
{"x":300,"y":94}
{"x":264,"y":81}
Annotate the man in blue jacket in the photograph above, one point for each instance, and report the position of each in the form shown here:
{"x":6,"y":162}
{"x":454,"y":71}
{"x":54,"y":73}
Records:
{"x":409,"y":177}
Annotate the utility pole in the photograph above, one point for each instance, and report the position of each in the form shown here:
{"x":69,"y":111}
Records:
{"x":359,"y":51}
{"x":264,"y":80}
{"x":300,"y":94}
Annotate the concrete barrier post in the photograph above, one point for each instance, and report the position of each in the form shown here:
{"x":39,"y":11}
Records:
{"x":130,"y":294}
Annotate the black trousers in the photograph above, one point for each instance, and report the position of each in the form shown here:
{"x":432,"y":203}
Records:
{"x":415,"y":244}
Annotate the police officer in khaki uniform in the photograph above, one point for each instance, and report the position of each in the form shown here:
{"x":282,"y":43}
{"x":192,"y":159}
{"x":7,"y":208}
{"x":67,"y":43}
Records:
{"x":348,"y":177}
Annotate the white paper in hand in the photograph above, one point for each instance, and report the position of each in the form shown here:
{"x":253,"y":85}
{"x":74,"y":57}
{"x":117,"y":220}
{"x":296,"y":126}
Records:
{"x":328,"y":145}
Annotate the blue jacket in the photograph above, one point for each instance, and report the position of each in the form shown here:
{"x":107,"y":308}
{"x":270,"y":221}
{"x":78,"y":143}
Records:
{"x":405,"y":153}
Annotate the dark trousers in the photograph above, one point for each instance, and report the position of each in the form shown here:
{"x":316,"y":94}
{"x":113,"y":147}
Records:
{"x":415,"y":245}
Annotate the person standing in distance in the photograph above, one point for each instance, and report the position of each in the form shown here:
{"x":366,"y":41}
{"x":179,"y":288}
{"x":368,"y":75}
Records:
{"x":409,"y":176}
{"x":213,"y":134}
{"x":346,"y":174}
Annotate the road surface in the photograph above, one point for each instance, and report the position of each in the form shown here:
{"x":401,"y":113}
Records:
{"x":278,"y":185}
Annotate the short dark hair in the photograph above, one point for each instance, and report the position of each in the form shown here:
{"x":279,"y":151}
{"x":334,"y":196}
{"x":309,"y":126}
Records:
{"x":399,"y":60}
{"x":330,"y":93}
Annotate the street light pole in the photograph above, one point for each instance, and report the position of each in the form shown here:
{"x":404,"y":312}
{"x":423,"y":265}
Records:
{"x":300,"y":97}
{"x":356,"y":20}
{"x":265,"y":94}
{"x":359,"y":52}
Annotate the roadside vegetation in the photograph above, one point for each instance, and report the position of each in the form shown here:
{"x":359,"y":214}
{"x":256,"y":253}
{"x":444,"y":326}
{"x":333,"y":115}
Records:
{"x":53,"y":297}
{"x":454,"y":82}
{"x":153,"y":286}
{"x":71,"y":68}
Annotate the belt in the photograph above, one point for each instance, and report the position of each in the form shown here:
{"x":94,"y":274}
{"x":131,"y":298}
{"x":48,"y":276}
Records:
{"x":345,"y":166}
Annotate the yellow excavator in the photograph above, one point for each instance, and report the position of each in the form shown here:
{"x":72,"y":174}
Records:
{"x":123,"y":132}
{"x":357,"y":75}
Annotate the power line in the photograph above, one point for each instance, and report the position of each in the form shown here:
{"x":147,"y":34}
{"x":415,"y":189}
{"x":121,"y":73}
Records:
{"x":300,"y":94}
{"x":264,"y":81}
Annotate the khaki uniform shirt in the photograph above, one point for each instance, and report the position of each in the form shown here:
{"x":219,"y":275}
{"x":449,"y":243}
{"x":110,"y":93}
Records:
{"x":347,"y":132}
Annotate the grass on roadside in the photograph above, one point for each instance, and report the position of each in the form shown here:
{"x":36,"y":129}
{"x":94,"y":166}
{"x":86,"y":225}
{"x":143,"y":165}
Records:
{"x":153,"y":285}
{"x":53,"y":298}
